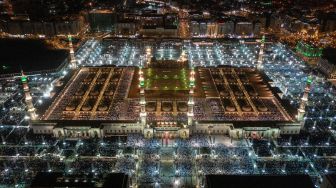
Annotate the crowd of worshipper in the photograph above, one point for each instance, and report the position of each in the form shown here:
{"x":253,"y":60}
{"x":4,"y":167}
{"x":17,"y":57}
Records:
{"x":12,"y":111}
{"x":200,"y":154}
{"x":120,"y":108}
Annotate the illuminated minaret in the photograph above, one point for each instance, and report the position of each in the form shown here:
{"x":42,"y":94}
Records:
{"x":148,"y":55}
{"x":304,"y":100}
{"x":191,"y":97}
{"x":73,"y":62}
{"x":28,"y":98}
{"x":8,"y":7}
{"x":143,"y":113}
{"x":261,"y":53}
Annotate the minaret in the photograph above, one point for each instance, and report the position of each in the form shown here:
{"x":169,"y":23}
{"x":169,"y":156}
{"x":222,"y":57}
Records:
{"x":304,"y":100}
{"x":148,"y":55}
{"x":8,"y":6}
{"x":28,"y":98}
{"x":191,"y":97}
{"x":143,"y":113}
{"x":261,"y":53}
{"x":73,"y":62}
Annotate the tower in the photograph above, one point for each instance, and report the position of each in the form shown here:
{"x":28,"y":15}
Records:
{"x":143,"y":114}
{"x":191,"y":97}
{"x":304,"y":100}
{"x":73,"y":62}
{"x":261,"y":53}
{"x":28,"y":98}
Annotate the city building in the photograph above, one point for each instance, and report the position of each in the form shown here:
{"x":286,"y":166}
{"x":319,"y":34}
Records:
{"x":126,"y":27}
{"x":243,"y":28}
{"x":159,"y":25}
{"x":102,"y":20}
{"x":157,"y":31}
{"x":308,"y":50}
{"x":212,"y":28}
{"x":51,"y":28}
{"x":225,"y":28}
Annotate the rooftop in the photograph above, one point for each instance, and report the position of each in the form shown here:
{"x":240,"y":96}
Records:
{"x":111,"y":94}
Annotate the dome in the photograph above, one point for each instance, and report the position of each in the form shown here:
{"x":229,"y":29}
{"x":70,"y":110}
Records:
{"x":88,"y":78}
{"x":166,"y":107}
{"x":70,"y":108}
{"x":150,"y":107}
{"x":205,"y":83}
{"x":224,"y":93}
{"x":183,"y":107}
{"x":87,"y":107}
{"x":230,"y":108}
{"x":246,"y":108}
{"x":80,"y":92}
{"x":108,"y":92}
{"x":262,"y":108}
{"x":102,"y":108}
{"x":94,"y":93}
{"x":253,"y":93}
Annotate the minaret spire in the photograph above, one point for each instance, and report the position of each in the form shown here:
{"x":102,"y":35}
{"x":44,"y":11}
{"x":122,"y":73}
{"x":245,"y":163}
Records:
{"x":261,"y":53}
{"x":304,"y":99}
{"x":143,"y":114}
{"x":28,"y":99}
{"x":73,"y":62}
{"x":191,"y":97}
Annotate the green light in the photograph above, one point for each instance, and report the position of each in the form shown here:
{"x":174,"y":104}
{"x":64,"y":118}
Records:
{"x":310,"y":79}
{"x":24,"y":79}
{"x":308,"y":50}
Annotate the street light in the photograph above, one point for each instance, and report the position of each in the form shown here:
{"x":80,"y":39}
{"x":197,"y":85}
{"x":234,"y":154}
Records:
{"x":176,"y":182}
